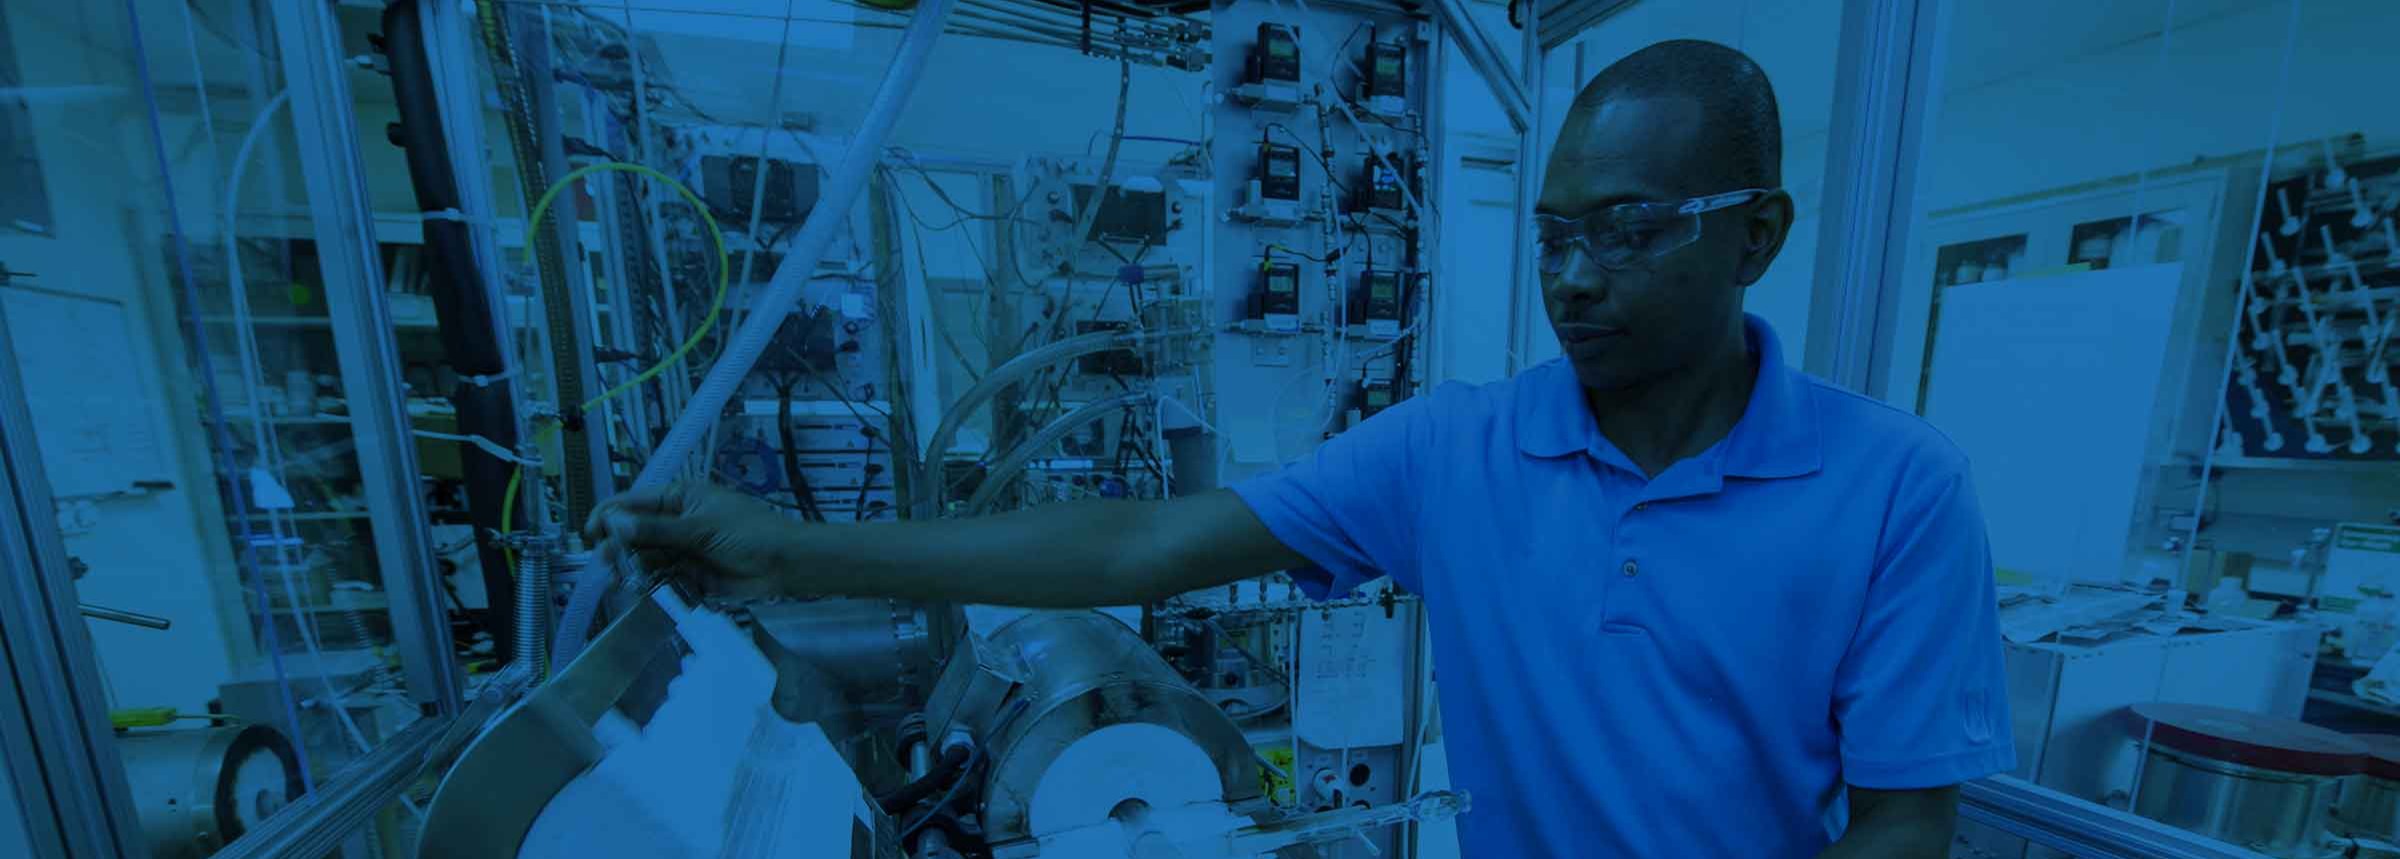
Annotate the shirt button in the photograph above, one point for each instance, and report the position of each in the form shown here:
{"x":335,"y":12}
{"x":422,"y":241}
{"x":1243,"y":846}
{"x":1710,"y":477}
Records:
{"x":1642,"y":506}
{"x":1631,"y":568}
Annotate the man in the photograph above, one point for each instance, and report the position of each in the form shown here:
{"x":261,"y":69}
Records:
{"x":1685,"y":600}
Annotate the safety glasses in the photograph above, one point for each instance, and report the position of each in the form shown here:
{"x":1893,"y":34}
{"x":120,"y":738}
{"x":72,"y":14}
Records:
{"x":1624,"y":237}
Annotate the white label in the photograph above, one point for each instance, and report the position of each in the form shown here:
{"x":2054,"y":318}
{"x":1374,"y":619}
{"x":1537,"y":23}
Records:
{"x":1353,"y":664}
{"x":2363,"y":560}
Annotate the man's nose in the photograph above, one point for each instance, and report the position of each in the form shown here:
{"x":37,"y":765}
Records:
{"x":1580,"y":282}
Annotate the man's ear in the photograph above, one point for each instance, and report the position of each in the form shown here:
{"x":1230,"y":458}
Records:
{"x":1769,"y":223}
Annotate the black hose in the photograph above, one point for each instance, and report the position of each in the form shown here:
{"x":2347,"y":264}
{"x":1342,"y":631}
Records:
{"x":461,"y":305}
{"x":953,"y":765}
{"x":968,"y":844}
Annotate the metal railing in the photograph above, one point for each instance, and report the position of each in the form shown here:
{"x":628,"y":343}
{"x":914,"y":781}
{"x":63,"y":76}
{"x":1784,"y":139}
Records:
{"x":2079,"y":828}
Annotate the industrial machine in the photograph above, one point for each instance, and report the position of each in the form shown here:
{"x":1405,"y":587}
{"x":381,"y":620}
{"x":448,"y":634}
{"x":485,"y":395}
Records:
{"x":2265,"y":783}
{"x":1128,"y":302}
{"x":608,"y":271}
{"x":1058,"y":734}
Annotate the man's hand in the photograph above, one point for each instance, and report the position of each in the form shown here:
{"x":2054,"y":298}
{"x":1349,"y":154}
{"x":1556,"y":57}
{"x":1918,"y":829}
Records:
{"x":1898,"y":824}
{"x":730,"y":543}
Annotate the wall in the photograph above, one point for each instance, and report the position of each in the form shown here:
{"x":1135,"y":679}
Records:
{"x":1479,"y":206}
{"x":2210,"y":87}
{"x":2040,"y":95}
{"x":155,"y":553}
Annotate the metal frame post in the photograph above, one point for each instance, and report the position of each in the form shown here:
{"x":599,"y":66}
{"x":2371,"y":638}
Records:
{"x":1525,"y":284}
{"x":1883,"y":108}
{"x":588,"y":478}
{"x":54,"y":735}
{"x":619,"y":215}
{"x":327,"y":146}
{"x":1519,"y":101}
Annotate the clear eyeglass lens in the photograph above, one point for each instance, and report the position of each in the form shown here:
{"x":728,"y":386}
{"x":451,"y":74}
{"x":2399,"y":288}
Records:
{"x":1613,"y":244}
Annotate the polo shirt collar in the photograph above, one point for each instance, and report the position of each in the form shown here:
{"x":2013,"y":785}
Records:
{"x":1776,"y":437}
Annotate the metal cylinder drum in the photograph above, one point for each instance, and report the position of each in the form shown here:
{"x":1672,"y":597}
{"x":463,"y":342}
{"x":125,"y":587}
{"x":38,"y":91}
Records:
{"x":876,"y":649}
{"x":2263,"y":783}
{"x":2370,"y":803}
{"x":1083,"y":672}
{"x":2370,"y":806}
{"x":196,"y":790}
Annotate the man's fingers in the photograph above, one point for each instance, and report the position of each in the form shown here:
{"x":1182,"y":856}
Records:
{"x":651,"y":531}
{"x":657,"y":561}
{"x":666,"y":501}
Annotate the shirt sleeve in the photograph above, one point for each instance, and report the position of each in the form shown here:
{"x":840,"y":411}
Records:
{"x":1350,"y":506}
{"x":1921,"y":699}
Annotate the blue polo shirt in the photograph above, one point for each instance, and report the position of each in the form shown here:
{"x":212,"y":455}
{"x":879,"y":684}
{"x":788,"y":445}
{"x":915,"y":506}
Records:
{"x":1687,"y":665}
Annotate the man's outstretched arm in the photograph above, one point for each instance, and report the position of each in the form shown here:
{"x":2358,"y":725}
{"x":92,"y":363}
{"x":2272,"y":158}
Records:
{"x":1054,"y":556}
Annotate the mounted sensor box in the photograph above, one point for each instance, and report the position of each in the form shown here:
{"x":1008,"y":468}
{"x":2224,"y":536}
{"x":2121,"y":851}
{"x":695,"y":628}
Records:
{"x":1127,"y":215}
{"x":729,"y":184}
{"x":1386,"y":86}
{"x":1382,"y":188}
{"x":1279,"y":297}
{"x":1375,"y":396}
{"x":1275,"y":191}
{"x":1272,"y":81}
{"x":1381,"y":304}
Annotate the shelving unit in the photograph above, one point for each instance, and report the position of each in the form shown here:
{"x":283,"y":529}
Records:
{"x":2266,"y":463}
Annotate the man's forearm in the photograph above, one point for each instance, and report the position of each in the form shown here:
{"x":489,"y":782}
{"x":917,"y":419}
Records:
{"x":1906,"y":840}
{"x":1054,"y":556}
{"x":1910,"y":824}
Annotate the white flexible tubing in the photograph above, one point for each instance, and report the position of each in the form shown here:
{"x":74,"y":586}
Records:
{"x":751,"y":339}
{"x":245,"y":336}
{"x":935,"y":492}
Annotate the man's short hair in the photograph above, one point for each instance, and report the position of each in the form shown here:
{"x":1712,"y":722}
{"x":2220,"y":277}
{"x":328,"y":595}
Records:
{"x":1743,"y":131}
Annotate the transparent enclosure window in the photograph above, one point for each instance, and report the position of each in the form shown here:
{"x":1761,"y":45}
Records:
{"x":2150,"y":294}
{"x":174,"y":336}
{"x":26,"y":208}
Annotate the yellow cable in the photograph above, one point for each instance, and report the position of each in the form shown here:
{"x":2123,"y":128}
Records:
{"x":541,"y":207}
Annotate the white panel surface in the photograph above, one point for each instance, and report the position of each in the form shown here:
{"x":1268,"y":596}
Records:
{"x":2048,"y":385}
{"x":1353,"y":664}
{"x":75,"y":355}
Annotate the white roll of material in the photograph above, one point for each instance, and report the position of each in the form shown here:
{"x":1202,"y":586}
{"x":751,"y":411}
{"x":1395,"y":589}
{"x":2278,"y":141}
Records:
{"x":1135,"y":790}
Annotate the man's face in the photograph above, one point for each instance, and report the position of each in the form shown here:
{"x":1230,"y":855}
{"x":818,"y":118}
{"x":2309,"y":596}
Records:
{"x":1625,"y":328}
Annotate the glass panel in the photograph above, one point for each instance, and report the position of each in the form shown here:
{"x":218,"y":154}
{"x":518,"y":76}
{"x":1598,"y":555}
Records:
{"x":175,"y":339}
{"x":26,"y":207}
{"x":2149,"y":298}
